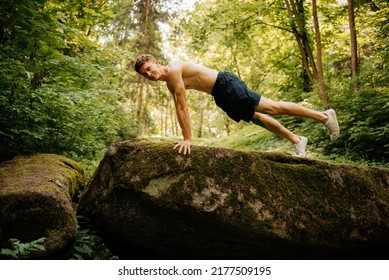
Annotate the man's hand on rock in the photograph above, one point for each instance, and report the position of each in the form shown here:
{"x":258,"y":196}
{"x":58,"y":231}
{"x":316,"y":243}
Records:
{"x":183,"y":145}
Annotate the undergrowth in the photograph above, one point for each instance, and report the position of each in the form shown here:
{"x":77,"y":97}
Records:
{"x":89,"y":244}
{"x":21,"y":250}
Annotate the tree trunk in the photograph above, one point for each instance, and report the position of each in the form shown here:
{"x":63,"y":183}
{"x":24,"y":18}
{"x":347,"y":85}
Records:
{"x":313,"y":70}
{"x":139,"y":102}
{"x":354,"y":46}
{"x":320,"y":76}
{"x":296,"y":29}
{"x":142,"y":81}
{"x":167,"y":107}
{"x":145,"y":117}
{"x":200,"y":131}
{"x":299,"y":12}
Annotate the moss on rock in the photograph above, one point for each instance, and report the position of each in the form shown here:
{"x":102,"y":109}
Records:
{"x":36,"y":201}
{"x":152,"y":202}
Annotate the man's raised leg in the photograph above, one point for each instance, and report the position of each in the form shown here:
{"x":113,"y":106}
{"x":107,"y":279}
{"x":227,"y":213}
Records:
{"x":327,"y":118}
{"x":268,"y":106}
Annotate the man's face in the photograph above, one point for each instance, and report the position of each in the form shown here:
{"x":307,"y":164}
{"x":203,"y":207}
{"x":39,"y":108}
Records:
{"x":150,"y":70}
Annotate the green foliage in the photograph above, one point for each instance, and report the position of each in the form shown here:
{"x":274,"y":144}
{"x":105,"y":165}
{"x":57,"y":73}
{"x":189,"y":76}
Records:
{"x":58,"y":87}
{"x":365,"y":127}
{"x":23,"y":250}
{"x":89,"y":244}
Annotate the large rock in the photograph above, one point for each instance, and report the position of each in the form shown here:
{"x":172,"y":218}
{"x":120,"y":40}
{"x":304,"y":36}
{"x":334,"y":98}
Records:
{"x":152,"y":203}
{"x":36,"y":201}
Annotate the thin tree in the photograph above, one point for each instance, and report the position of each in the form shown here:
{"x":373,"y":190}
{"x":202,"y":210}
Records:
{"x":354,"y":46}
{"x":320,"y":75}
{"x":296,"y":14}
{"x":142,"y":81}
{"x":297,"y":17}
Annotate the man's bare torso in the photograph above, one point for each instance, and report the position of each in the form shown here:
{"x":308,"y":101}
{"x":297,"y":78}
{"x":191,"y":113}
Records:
{"x":194,"y":76}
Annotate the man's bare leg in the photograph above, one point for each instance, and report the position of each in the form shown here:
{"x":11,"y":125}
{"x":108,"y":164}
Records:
{"x":275,"y":127}
{"x":268,"y":106}
{"x":299,"y":142}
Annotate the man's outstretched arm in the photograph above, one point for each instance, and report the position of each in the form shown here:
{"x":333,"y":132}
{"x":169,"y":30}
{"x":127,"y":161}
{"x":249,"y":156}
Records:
{"x":177,"y":89}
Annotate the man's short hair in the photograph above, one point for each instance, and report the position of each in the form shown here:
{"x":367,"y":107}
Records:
{"x":142,"y":59}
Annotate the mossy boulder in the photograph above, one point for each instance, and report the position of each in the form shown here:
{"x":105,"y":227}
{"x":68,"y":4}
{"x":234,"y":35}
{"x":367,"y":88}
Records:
{"x":151,"y":202}
{"x":36,"y":201}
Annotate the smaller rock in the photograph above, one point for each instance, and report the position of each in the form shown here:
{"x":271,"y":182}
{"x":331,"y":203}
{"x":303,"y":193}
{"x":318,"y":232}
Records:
{"x":36,"y":201}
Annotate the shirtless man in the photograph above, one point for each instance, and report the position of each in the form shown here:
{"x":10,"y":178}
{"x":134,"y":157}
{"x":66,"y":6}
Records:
{"x":233,"y":96}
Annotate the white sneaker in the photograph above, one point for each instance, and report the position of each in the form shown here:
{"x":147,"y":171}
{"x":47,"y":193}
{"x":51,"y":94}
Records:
{"x":300,"y":147}
{"x":332,"y":124}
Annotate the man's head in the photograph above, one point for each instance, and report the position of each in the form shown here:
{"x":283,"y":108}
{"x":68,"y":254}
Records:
{"x":142,"y":59}
{"x":147,"y":66}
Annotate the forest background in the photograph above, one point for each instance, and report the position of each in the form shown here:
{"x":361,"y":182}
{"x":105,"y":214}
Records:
{"x":67,"y":83}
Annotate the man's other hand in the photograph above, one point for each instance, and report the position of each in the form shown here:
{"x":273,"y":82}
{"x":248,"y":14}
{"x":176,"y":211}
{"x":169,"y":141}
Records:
{"x":186,"y":144}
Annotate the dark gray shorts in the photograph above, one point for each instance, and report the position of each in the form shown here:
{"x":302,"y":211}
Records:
{"x":234,"y":97}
